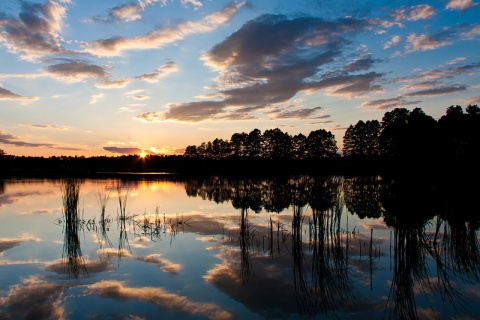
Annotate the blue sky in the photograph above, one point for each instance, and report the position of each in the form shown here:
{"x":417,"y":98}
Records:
{"x":115,"y":77}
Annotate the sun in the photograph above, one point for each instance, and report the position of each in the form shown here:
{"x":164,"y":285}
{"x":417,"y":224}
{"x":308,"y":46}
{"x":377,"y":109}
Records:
{"x":142,"y":154}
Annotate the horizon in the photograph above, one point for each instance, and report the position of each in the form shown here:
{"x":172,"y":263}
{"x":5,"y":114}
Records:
{"x":84,"y":78}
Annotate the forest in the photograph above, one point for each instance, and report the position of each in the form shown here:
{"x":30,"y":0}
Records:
{"x":403,"y":141}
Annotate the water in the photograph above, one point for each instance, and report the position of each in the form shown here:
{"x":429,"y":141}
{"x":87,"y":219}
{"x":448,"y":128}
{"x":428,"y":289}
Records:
{"x":215,"y":248}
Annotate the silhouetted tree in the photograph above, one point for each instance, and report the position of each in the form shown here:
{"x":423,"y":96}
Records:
{"x":238,"y":143}
{"x":321,"y":144}
{"x":220,"y":149}
{"x":254,"y":143}
{"x":191,"y":152}
{"x":392,"y":138}
{"x":362,"y":139}
{"x":299,"y":146}
{"x":276,"y":144}
{"x":421,"y":137}
{"x":460,"y":133}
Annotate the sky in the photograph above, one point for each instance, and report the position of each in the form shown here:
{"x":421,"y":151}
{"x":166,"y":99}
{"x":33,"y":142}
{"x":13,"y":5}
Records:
{"x":92,"y":78}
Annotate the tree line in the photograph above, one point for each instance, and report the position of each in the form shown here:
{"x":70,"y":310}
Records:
{"x":403,"y":141}
{"x":401,"y":133}
{"x":272,"y":144}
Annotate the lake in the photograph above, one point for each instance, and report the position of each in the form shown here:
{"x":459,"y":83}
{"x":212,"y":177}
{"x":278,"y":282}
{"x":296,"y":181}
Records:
{"x":147,"y":247}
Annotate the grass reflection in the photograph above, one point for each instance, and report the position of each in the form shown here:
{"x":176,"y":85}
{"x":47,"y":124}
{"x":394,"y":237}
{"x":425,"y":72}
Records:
{"x":72,"y":252}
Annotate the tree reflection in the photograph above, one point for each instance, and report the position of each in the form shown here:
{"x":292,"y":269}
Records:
{"x":326,"y":286}
{"x":453,"y":246}
{"x":435,"y":239}
{"x":410,"y":269}
{"x":331,"y":284}
{"x":361,"y":196}
{"x":72,"y":252}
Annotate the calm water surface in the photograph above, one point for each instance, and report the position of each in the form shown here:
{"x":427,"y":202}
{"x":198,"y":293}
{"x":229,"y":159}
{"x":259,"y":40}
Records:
{"x":235,"y":249}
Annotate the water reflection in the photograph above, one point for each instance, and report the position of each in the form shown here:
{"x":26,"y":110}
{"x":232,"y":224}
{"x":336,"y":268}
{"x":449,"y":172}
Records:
{"x":72,"y":251}
{"x":321,"y":278}
{"x":315,"y":247}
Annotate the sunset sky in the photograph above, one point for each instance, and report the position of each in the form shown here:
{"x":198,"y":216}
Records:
{"x":104,"y":77}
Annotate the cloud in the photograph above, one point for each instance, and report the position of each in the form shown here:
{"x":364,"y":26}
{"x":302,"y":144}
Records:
{"x":157,"y":296}
{"x":9,"y":95}
{"x":297,"y":114}
{"x":438,"y":91}
{"x":131,"y":108}
{"x":194,"y":3}
{"x":392,"y":43}
{"x":425,"y":42}
{"x":384,"y":104}
{"x":126,"y":12}
{"x":456,"y":60}
{"x":15,"y":141}
{"x":124,"y":150}
{"x":473,"y":101}
{"x":44,"y":126}
{"x":163,"y":35}
{"x":112,"y":84}
{"x":272,"y":58}
{"x":76,"y":70}
{"x":419,"y":85}
{"x":94,"y":97}
{"x":140,"y":97}
{"x":435,"y":74}
{"x":151,"y":116}
{"x":461,"y":4}
{"x":413,"y":13}
{"x":161,"y":72}
{"x":363,"y":63}
{"x":471,"y":32}
{"x":36,"y":31}
{"x":350,"y":85}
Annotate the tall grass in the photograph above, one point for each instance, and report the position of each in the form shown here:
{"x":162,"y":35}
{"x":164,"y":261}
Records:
{"x":102,"y":198}
{"x":123,"y":244}
{"x":72,"y":252}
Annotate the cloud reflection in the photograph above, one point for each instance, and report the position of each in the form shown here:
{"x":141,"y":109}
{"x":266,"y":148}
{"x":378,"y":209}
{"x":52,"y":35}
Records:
{"x":157,"y":296}
{"x":33,"y":299}
{"x":6,"y":244}
{"x":164,"y":264}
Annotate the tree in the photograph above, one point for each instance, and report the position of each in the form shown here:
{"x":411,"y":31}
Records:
{"x":460,"y":132}
{"x":321,"y":144}
{"x":254,"y":143}
{"x":299,"y":146}
{"x":191,"y":152}
{"x":220,"y":149}
{"x":393,"y":127}
{"x":238,"y":143}
{"x":276,"y":144}
{"x":362,"y":139}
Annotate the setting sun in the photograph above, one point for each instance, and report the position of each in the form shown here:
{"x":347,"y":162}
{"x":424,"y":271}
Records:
{"x":143,"y":155}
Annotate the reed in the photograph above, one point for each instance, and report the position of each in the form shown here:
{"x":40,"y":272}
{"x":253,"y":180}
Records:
{"x":102,"y":198}
{"x":122,"y":221}
{"x":72,"y":252}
